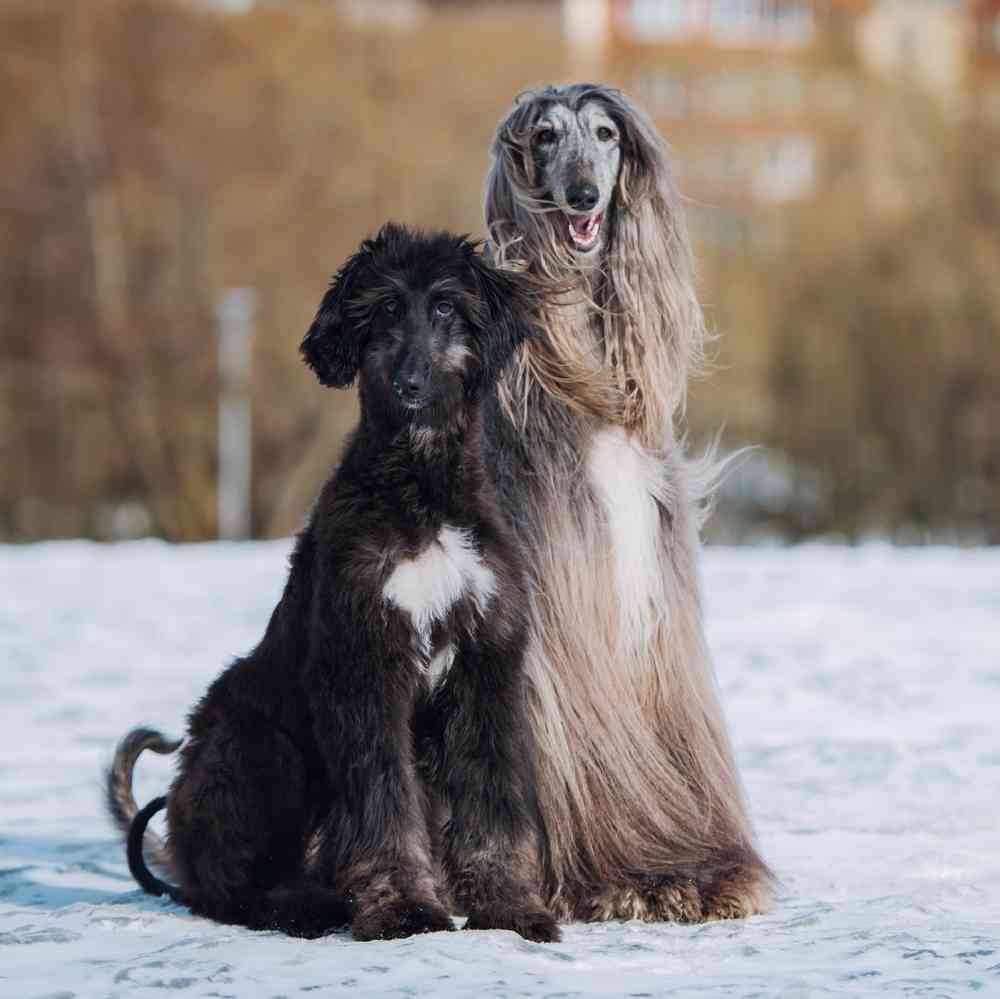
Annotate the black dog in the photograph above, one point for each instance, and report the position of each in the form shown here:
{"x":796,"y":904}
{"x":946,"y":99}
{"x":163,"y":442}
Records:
{"x":377,"y":734}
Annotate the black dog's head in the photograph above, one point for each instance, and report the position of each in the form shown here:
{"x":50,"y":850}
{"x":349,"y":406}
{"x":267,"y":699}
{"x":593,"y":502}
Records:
{"x":424,"y":320}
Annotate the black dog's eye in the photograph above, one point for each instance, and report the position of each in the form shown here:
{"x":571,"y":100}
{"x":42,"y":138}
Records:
{"x":444,"y":309}
{"x":545,"y":137}
{"x":605,"y":134}
{"x":391,"y":306}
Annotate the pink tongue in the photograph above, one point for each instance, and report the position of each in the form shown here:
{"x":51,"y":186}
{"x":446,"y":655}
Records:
{"x":581,"y":226}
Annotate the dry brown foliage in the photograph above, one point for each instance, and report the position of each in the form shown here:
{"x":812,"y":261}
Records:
{"x":866,"y":351}
{"x":156,"y":152}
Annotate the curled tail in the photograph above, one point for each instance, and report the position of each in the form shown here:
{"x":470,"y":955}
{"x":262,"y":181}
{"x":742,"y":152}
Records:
{"x":120,"y":800}
{"x":148,"y":881}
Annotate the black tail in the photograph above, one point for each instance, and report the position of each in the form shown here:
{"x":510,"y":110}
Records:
{"x":148,"y":881}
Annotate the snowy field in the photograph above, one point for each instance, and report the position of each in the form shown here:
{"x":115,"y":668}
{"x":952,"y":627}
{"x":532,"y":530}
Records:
{"x":863,"y":690}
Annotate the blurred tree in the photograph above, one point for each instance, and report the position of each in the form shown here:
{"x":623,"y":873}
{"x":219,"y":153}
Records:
{"x":155,"y":152}
{"x":866,"y":352}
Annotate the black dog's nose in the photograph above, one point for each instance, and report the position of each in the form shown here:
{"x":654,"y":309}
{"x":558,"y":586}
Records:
{"x":582,"y":196}
{"x":409,"y":384}
{"x":411,"y":379}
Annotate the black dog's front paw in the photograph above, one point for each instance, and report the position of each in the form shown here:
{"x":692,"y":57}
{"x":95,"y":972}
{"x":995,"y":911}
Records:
{"x":531,"y":922}
{"x":400,"y":917}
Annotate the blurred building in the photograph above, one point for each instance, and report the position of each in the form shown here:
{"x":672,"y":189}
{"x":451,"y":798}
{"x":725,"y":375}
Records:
{"x":920,"y":41}
{"x":764,"y":101}
{"x":757,"y":97}
{"x":950,"y":48}
{"x":942,"y":52}
{"x":256,"y":140}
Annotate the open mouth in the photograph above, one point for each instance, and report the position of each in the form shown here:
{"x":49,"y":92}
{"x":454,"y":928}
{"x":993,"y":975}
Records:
{"x":413,"y":404}
{"x":584,"y":229}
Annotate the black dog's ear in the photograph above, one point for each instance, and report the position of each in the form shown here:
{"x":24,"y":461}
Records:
{"x":506,"y":318}
{"x":332,"y":346}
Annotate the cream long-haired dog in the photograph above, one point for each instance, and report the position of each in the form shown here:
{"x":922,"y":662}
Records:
{"x":643,"y":811}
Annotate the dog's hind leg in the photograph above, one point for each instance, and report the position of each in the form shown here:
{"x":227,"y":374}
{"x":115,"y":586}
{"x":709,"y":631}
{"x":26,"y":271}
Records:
{"x":298,"y":909}
{"x":239,"y":817}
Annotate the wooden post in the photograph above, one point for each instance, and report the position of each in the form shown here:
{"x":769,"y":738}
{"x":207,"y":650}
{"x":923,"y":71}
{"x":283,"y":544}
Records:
{"x":234,"y":312}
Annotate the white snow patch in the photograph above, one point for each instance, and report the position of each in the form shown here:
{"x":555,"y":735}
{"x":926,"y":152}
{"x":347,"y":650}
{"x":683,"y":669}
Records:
{"x":862,"y":687}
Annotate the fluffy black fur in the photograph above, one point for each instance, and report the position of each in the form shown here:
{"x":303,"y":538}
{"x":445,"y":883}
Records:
{"x":329,"y":776}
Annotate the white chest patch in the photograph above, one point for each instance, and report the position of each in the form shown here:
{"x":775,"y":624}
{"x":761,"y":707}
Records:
{"x":625,"y":479}
{"x":428,"y":586}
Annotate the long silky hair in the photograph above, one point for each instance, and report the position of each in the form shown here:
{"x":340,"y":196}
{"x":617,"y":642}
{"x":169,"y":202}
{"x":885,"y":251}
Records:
{"x":652,"y":330}
{"x":635,"y":770}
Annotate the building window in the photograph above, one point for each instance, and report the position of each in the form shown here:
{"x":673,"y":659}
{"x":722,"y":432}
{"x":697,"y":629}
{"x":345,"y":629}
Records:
{"x":729,"y":94}
{"x":653,"y":19}
{"x":760,"y":22}
{"x":785,"y":91}
{"x":724,"y":22}
{"x":666,"y":95}
{"x":786,"y":170}
{"x":721,"y":169}
{"x":737,"y":93}
{"x":733,"y":230}
{"x":793,"y":22}
{"x":737,"y":18}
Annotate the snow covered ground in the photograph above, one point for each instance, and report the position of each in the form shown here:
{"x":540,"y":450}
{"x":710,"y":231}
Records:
{"x":863,"y":690}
